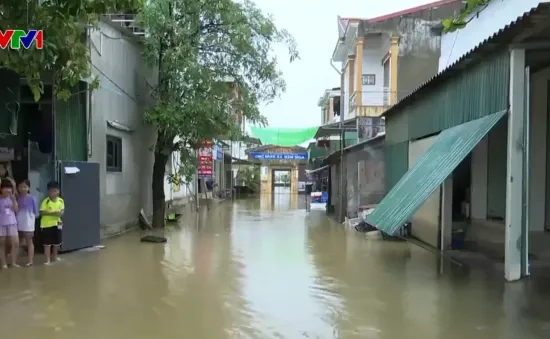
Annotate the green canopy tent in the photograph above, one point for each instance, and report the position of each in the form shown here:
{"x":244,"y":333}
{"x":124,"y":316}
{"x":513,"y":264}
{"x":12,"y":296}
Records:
{"x":283,"y":136}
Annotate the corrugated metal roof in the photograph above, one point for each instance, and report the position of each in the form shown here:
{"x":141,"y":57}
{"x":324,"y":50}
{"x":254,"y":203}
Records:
{"x":504,"y":36}
{"x":448,"y":150}
{"x":334,"y":156}
{"x":336,"y":128}
{"x":410,"y":10}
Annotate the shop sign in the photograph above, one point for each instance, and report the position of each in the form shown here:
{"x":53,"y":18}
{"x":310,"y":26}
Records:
{"x":278,"y":156}
{"x":205,"y":160}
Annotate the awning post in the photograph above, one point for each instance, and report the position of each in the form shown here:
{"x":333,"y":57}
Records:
{"x":446,"y":233}
{"x":514,"y":167}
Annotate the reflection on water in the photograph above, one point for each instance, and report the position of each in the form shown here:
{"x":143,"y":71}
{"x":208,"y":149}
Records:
{"x":281,"y":199}
{"x":244,"y":271}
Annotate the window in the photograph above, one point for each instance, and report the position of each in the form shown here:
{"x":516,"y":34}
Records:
{"x":114,"y":154}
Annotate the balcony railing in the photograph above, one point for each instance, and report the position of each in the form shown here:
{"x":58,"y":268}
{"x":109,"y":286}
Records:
{"x":126,"y":21}
{"x":373,"y":101}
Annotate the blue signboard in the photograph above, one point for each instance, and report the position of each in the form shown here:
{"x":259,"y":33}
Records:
{"x":278,"y":156}
{"x":217,"y":152}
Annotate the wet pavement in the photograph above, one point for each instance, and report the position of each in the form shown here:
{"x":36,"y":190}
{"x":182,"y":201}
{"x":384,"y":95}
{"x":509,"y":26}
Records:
{"x":264,"y":268}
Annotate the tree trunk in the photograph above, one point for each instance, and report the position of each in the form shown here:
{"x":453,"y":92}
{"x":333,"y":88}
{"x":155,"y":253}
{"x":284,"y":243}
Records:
{"x":159,"y":204}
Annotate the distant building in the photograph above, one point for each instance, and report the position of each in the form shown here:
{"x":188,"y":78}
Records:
{"x":385,"y":58}
{"x":330,"y":106}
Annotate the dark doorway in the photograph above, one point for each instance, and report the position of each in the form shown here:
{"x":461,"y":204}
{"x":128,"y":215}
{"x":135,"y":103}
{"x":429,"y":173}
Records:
{"x":462,"y":178}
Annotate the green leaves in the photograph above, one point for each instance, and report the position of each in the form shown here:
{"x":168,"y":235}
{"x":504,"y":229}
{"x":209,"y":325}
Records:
{"x":216,"y":65}
{"x":462,"y":19}
{"x":65,"y":54}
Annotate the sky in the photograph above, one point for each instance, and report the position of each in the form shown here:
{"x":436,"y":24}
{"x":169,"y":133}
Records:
{"x":314,"y":25}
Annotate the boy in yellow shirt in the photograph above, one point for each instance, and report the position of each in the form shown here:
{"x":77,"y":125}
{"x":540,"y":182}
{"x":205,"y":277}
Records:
{"x":51,"y":211}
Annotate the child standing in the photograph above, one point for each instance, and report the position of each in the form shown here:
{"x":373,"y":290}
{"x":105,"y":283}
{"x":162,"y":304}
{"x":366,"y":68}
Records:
{"x":26,"y":216}
{"x":51,"y":211}
{"x":8,"y":224}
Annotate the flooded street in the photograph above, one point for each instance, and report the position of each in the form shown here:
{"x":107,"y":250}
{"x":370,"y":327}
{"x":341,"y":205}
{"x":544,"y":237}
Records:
{"x":264,"y":268}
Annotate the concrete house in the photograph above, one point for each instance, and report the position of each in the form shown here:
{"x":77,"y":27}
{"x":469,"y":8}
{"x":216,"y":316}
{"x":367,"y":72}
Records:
{"x":118,"y":138}
{"x":384,"y":58}
{"x":467,"y":151}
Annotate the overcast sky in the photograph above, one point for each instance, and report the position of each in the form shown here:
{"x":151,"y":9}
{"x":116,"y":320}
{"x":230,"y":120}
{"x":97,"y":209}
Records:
{"x":314,"y":25}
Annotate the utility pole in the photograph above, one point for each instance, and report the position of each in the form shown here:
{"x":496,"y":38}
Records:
{"x":197,"y":179}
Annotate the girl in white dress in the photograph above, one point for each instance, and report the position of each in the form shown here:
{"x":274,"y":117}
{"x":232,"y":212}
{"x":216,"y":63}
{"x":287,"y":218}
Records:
{"x":26,"y":216}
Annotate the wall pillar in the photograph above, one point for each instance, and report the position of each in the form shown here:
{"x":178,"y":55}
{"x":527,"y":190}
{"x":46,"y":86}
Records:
{"x":351,"y":86}
{"x":293,"y":180}
{"x":359,"y":71}
{"x":515,"y":236}
{"x":394,"y":56}
{"x":478,"y":196}
{"x":267,"y":184}
{"x":343,"y":105}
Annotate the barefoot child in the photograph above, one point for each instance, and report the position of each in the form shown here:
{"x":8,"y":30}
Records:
{"x":51,"y":211}
{"x":28,"y":211}
{"x":8,"y":224}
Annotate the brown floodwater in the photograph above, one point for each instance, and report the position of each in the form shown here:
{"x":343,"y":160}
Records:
{"x":264,"y":268}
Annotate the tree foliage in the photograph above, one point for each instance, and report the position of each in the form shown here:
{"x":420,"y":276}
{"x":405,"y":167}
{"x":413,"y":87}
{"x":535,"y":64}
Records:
{"x":215,"y":60}
{"x":204,"y":49}
{"x":250,"y":177}
{"x":462,"y":19}
{"x":285,"y":179}
{"x":65,"y":53}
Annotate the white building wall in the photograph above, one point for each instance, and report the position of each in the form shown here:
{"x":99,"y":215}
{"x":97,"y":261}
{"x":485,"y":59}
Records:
{"x":238,"y":149}
{"x":490,"y":20}
{"x":374,"y":50}
{"x":172,"y":191}
{"x":346,"y":95}
{"x":123,"y":96}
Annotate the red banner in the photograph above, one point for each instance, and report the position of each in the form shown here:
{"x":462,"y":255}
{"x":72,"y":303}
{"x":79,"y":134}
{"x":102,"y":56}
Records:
{"x":205,"y":159}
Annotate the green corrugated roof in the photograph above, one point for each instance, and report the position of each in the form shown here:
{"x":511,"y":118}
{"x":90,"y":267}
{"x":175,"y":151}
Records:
{"x":448,"y":150}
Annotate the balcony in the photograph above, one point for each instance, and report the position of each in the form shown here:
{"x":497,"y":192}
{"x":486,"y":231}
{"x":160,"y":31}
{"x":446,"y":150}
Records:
{"x":373,"y":102}
{"x":126,"y":21}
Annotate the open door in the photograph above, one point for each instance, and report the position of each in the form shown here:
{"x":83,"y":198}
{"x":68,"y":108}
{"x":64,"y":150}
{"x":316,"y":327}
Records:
{"x":80,"y":190}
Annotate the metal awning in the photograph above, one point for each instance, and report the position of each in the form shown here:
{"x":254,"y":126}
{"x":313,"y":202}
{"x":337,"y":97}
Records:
{"x":334,"y":157}
{"x":336,"y":128}
{"x":317,"y":170}
{"x":448,"y":150}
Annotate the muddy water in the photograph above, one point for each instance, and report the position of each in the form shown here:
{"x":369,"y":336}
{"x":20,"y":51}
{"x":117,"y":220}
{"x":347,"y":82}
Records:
{"x":263,"y":269}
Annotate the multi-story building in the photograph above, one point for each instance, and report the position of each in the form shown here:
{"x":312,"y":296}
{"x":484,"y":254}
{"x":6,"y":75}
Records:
{"x":480,"y":127}
{"x":330,"y":106}
{"x":385,"y":58}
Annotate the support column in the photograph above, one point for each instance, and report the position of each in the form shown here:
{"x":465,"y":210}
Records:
{"x":343,"y":103}
{"x":394,"y":55}
{"x":446,"y":214}
{"x":359,"y":72}
{"x":514,"y":168}
{"x":351,"y":88}
{"x":293,"y":181}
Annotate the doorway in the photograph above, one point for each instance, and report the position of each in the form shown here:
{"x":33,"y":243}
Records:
{"x":281,"y":181}
{"x":462,"y":178}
